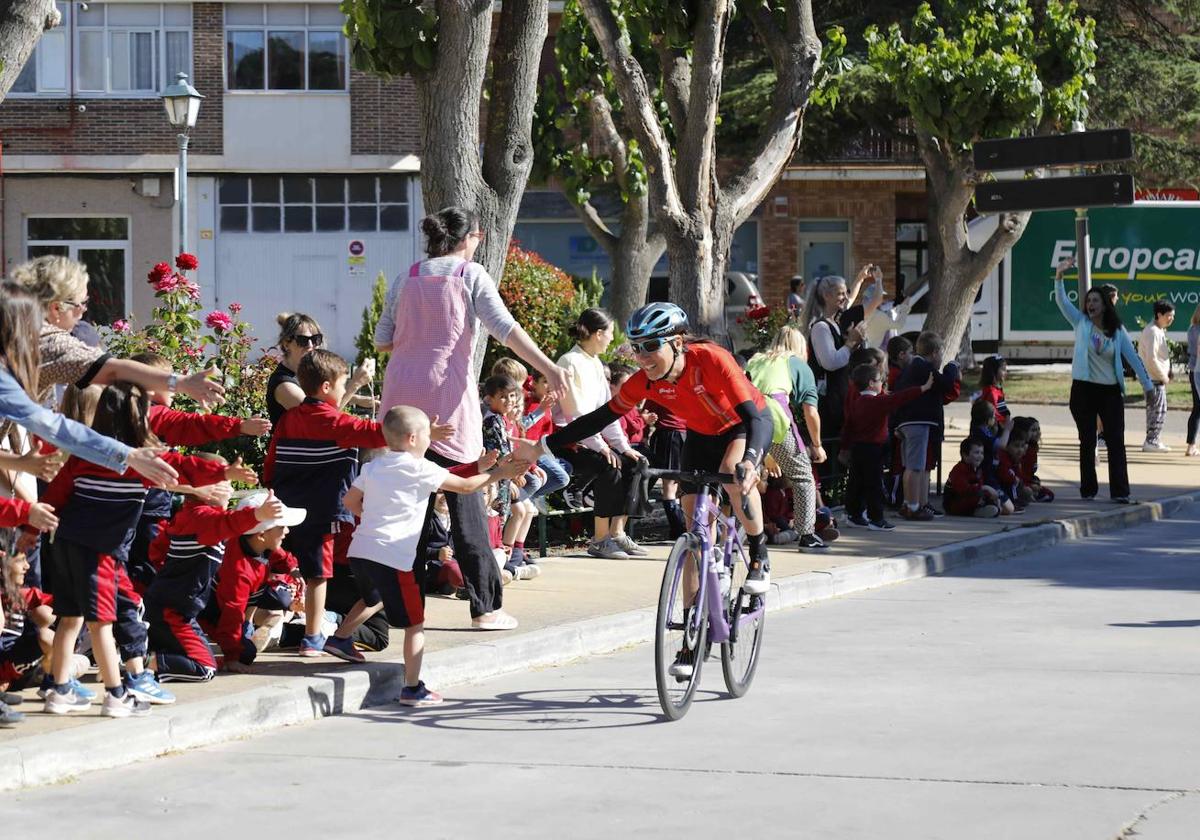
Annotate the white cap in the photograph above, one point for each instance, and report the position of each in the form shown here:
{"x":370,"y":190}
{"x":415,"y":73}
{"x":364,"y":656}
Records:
{"x":291,"y":516}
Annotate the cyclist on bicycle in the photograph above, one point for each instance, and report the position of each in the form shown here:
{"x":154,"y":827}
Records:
{"x":727,"y":421}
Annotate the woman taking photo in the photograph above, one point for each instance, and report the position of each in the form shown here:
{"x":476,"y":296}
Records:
{"x":1098,"y":384}
{"x":600,"y":457}
{"x":431,"y":327}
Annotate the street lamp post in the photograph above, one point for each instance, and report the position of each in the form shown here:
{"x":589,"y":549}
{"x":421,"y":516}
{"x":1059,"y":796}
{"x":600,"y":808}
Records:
{"x":182,"y":102}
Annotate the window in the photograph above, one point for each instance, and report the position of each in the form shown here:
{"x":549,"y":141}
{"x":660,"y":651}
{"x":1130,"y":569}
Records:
{"x":131,"y":49}
{"x":101,"y":244}
{"x":46,"y":69}
{"x":316,"y":204}
{"x":285,"y":46}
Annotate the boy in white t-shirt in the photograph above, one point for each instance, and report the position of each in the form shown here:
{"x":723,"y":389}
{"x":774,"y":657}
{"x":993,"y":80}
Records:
{"x":390,"y":496}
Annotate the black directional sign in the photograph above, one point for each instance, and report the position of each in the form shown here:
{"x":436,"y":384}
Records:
{"x":1081,"y":147}
{"x":1055,"y":193}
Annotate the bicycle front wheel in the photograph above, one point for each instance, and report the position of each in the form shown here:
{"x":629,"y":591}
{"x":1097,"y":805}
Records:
{"x":747,"y":615}
{"x":679,"y":636}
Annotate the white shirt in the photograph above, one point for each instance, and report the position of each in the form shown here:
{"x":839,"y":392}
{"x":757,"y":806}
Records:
{"x":587,"y":390}
{"x":396,"y":487}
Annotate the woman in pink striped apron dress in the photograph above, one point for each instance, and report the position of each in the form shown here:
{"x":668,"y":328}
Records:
{"x":431,"y":327}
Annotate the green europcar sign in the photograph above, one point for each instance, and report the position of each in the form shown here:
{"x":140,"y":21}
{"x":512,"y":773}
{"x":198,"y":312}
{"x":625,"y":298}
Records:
{"x":1150,"y":251}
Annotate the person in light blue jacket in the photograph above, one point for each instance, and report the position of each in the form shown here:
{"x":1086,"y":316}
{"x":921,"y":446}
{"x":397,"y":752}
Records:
{"x":1098,"y":384}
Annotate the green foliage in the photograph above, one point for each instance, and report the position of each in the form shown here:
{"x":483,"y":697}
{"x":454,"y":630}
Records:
{"x":987,"y":68}
{"x":364,"y":342}
{"x":391,"y":37}
{"x":174,"y":331}
{"x":540,"y":297}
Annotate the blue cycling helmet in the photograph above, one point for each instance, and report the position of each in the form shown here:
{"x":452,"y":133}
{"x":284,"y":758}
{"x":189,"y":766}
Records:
{"x":656,"y":320}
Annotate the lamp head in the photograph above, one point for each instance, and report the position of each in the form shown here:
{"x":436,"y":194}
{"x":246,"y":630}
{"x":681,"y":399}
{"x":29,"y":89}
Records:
{"x":182,"y":103}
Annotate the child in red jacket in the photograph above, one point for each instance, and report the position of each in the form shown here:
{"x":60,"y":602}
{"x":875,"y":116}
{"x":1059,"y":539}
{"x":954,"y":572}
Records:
{"x":1029,"y":462}
{"x":864,"y":434}
{"x":966,"y":492}
{"x":1008,"y":470}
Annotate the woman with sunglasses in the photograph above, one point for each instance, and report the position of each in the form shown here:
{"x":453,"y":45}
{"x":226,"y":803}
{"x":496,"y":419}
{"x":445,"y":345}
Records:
{"x":299,"y":334}
{"x":728,"y":425}
{"x":61,"y":286}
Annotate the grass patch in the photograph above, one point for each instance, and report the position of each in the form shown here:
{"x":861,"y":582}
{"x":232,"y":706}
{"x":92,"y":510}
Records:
{"x":1055,"y":388}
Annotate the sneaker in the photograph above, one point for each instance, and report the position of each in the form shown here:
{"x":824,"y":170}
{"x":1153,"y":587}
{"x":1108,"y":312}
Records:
{"x":496,"y":620}
{"x":811,"y":542}
{"x":127,"y":705}
{"x":11,"y":698}
{"x":506,"y":577}
{"x":79,"y":688}
{"x":934,"y":512}
{"x":918,"y":515}
{"x":1192,"y":451}
{"x":626,"y":544}
{"x":858,"y":520}
{"x":462,"y":594}
{"x":682,"y":668}
{"x":419,"y":696}
{"x":1155,"y":446}
{"x":608,"y":549}
{"x":787,"y":535}
{"x":540,"y":505}
{"x":527,"y":572}
{"x":145,"y":687}
{"x":758,"y":579}
{"x":1100,"y":442}
{"x":829,"y":533}
{"x":987,"y":511}
{"x":881,"y":525}
{"x":311,"y":646}
{"x":9,"y":717}
{"x":61,"y":704}
{"x":1123,"y":500}
{"x":343,"y":649}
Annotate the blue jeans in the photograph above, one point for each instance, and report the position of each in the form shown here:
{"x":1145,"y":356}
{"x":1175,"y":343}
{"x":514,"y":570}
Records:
{"x":558,"y":474}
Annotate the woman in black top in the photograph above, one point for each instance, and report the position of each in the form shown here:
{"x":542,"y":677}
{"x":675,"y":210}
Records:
{"x":298,"y":334}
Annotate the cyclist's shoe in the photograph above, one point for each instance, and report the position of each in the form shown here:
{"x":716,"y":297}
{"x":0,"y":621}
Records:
{"x":758,"y":580}
{"x":682,"y":668}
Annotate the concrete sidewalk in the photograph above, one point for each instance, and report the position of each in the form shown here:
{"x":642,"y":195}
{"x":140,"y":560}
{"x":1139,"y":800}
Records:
{"x":582,"y":606}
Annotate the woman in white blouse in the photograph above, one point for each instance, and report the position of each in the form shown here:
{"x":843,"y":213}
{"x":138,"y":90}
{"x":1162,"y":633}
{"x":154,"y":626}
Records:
{"x":601,"y":456}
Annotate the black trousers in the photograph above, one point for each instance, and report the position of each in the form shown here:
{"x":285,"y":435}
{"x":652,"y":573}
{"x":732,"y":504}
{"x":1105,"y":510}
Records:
{"x":612,"y":488}
{"x":1089,"y":401}
{"x":864,"y":484}
{"x":472,"y":547}
{"x":1193,"y":418}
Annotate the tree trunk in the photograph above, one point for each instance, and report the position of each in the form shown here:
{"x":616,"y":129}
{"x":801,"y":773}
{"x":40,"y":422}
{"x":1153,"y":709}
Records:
{"x":633,"y":260}
{"x":22,"y":23}
{"x":698,"y":259}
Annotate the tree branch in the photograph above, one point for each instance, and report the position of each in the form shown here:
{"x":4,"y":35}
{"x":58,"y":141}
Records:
{"x":1008,"y":231}
{"x":796,"y":57}
{"x":695,"y":162}
{"x":638,"y":105}
{"x":677,"y":80}
{"x":606,"y":138}
{"x":596,"y":226}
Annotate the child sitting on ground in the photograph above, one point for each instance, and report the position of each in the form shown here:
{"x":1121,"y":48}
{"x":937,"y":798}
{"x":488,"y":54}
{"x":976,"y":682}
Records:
{"x":1008,"y":470}
{"x":252,"y":566}
{"x":389,"y":497}
{"x":985,"y":429}
{"x":966,"y":493}
{"x":26,"y":634}
{"x":443,"y":577}
{"x":500,"y":394}
{"x":1029,"y":463}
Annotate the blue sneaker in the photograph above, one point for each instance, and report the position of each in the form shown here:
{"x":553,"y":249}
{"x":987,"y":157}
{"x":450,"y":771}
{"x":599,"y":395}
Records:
{"x":419,"y":696}
{"x":146,"y":687}
{"x":313,"y":645}
{"x":79,"y":688}
{"x":343,"y":649}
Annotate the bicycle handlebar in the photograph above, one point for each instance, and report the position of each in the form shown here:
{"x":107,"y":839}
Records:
{"x":702,"y":477}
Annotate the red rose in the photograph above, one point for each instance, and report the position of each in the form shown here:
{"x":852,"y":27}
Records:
{"x":218,"y":320}
{"x":758,"y":312}
{"x":235,"y":307}
{"x":160,"y":272}
{"x":187,"y":262}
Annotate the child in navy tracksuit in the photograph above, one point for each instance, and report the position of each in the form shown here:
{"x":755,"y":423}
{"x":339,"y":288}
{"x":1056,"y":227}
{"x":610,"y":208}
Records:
{"x":176,"y":428}
{"x":98,"y":510}
{"x":312,"y":460}
{"x":921,"y":421}
{"x":255,"y":571}
{"x":196,"y":543}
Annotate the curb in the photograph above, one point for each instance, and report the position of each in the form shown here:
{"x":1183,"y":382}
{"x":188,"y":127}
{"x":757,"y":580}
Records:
{"x":62,"y":756}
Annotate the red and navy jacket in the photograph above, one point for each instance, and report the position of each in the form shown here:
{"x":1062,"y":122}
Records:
{"x":1029,"y":465}
{"x":866,"y":417}
{"x":964,"y":489}
{"x":313,"y":460}
{"x":242,"y":573}
{"x":1008,"y":474}
{"x":182,"y":428}
{"x":195,"y":543}
{"x":99,"y":508}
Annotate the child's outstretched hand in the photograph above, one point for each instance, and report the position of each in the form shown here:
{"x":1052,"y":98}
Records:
{"x":255,"y":426}
{"x":487,"y":460}
{"x":928,"y":384}
{"x":237,"y":471}
{"x":272,"y":508}
{"x":509,"y":468}
{"x":439,"y":431}
{"x":41,"y":516}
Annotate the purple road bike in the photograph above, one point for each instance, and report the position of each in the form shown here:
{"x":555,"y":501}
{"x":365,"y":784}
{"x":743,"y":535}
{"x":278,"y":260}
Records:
{"x":701,"y":602}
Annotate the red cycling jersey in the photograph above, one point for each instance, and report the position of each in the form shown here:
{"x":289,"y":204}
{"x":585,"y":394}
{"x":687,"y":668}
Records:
{"x":706,"y":395}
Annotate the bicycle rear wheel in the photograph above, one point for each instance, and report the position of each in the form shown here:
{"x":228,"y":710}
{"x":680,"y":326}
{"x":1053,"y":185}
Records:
{"x":739,"y":655}
{"x":676,"y":633}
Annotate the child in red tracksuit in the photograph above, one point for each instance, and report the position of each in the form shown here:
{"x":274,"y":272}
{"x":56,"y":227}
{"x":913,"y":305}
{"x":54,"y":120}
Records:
{"x":966,"y":492}
{"x":864,"y":434}
{"x":1008,"y":470}
{"x":98,"y":510}
{"x":312,"y":460}
{"x":1029,"y":462}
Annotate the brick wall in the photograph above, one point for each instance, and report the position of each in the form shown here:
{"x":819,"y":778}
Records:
{"x":384,"y":116}
{"x":871,"y":206}
{"x":123,"y":126}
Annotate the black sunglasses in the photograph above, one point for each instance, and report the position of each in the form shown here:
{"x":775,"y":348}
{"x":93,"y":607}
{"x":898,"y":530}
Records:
{"x":650,"y":345}
{"x":314,"y":340}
